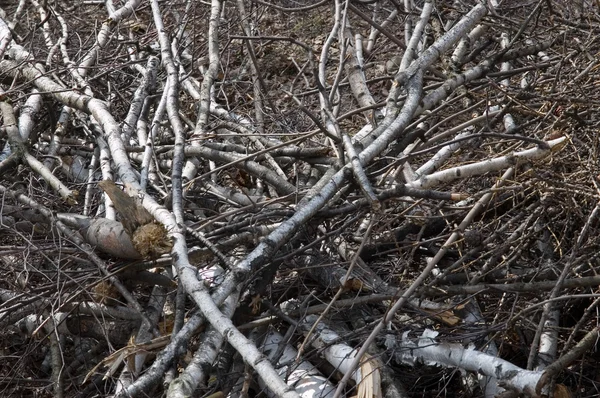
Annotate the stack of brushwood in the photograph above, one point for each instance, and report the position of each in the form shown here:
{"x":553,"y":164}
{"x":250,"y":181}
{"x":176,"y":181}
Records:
{"x":276,"y":198}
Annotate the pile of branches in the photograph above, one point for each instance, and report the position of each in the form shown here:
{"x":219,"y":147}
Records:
{"x":330,"y":199}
